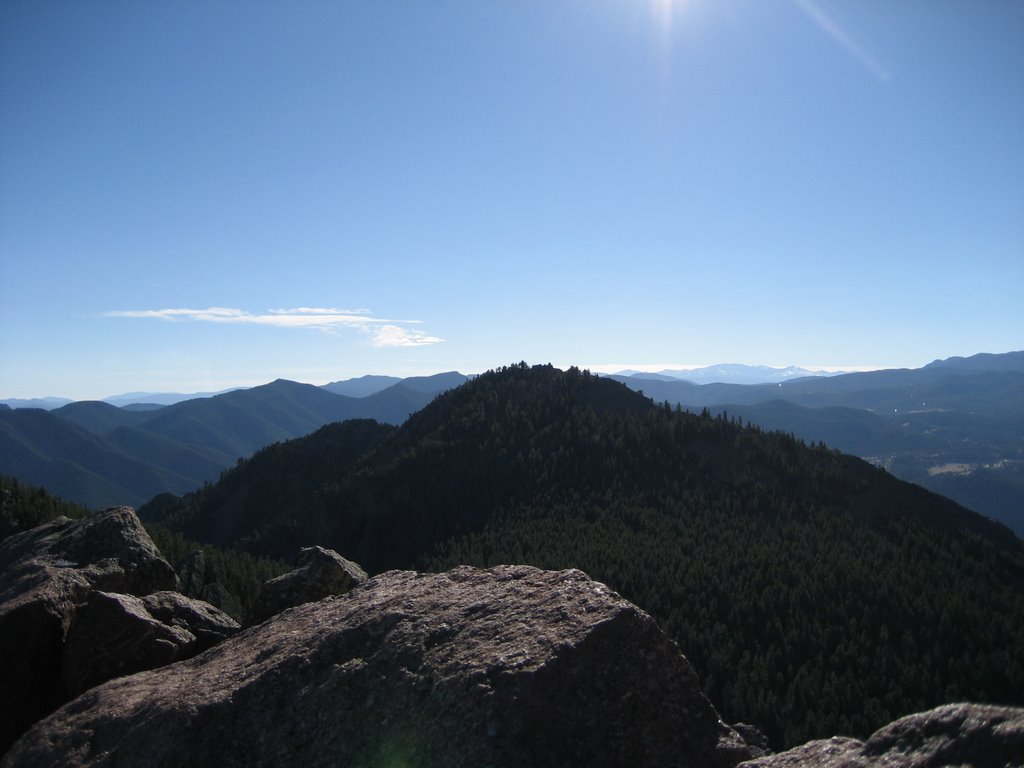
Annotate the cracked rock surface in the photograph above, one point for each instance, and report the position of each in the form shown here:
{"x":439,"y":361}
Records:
{"x":509,"y":666}
{"x":45,"y":574}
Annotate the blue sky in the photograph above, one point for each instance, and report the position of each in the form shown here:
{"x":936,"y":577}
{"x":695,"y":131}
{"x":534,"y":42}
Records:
{"x":196,"y":195}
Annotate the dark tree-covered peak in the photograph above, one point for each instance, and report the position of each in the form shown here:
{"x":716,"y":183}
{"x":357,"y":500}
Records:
{"x":538,"y":395}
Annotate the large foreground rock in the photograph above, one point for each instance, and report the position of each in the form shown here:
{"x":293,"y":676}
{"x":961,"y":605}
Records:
{"x":44,"y":574}
{"x":972,"y":735}
{"x":511,"y":666}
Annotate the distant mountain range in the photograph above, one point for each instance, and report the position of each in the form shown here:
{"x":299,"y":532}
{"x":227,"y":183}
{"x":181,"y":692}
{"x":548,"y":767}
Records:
{"x":46,"y":403}
{"x":731,"y":373}
{"x":955,"y":426}
{"x":160,"y":398}
{"x":98,"y":454}
{"x":121,"y":401}
{"x":364,"y":386}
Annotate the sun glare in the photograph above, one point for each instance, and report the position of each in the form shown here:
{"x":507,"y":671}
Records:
{"x":661,"y":12}
{"x":665,"y":16}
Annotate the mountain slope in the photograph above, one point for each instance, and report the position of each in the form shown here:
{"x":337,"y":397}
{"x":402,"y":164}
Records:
{"x":362,"y":386}
{"x":955,"y":426}
{"x":250,"y":498}
{"x":842,"y":596}
{"x":25,"y":506}
{"x":999,"y":391}
{"x":99,"y":455}
{"x":98,"y":417}
{"x":237,"y":423}
{"x":983,"y":361}
{"x":41,"y":448}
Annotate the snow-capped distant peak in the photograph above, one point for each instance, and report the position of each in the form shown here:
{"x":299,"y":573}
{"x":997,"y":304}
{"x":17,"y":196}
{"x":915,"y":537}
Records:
{"x":735,"y":373}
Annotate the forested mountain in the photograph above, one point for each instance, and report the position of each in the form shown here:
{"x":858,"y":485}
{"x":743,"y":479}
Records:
{"x":99,"y":455}
{"x":955,"y":426}
{"x":814,"y":593}
{"x":25,"y":506}
{"x":271,"y":502}
{"x":41,"y":448}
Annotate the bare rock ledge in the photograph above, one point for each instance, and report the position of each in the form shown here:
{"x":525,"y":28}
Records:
{"x":954,"y":735}
{"x":511,"y":666}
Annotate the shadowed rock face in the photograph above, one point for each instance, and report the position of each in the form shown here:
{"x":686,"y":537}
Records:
{"x":114,"y":635}
{"x":511,"y":666}
{"x":973,"y":735}
{"x":44,"y":574}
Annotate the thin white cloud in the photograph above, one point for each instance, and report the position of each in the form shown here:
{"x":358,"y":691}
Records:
{"x":396,"y":336}
{"x":827,"y":25}
{"x":382,"y":332}
{"x":319,"y":311}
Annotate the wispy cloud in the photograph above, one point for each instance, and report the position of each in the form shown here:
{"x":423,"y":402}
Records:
{"x":382,"y":332}
{"x":839,"y":35}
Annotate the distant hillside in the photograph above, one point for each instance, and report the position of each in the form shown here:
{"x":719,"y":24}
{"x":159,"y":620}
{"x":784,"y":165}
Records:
{"x":99,"y":417}
{"x":985,"y":361}
{"x":361,"y":387}
{"x":100,"y":455}
{"x":159,"y":398}
{"x":46,"y":403}
{"x":955,"y":426}
{"x":25,"y":506}
{"x":814,"y":593}
{"x":944,"y":385}
{"x":40,"y":448}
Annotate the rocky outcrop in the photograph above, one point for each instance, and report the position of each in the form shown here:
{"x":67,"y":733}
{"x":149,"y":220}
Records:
{"x":114,"y":635}
{"x":321,"y":573}
{"x":44,"y":574}
{"x":973,"y":735}
{"x":206,"y":623}
{"x":754,"y":738}
{"x":108,"y":550}
{"x":511,"y":666}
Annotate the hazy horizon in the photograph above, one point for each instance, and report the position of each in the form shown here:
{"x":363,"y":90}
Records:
{"x":604,"y":369}
{"x":195,"y":196}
